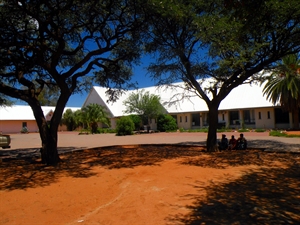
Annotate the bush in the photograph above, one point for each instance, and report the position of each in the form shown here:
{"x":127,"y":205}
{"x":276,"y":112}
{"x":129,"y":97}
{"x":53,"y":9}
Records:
{"x":24,"y":130}
{"x":125,"y":126}
{"x":137,"y":121}
{"x":166,"y":123}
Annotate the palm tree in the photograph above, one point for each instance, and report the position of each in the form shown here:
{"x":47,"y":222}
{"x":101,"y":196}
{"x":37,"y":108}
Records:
{"x":283,"y":86}
{"x":93,"y":114}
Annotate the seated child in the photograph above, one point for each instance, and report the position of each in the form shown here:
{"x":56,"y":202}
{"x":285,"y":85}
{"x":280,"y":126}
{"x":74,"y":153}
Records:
{"x":223,"y":144}
{"x":232,"y":143}
{"x":241,"y":143}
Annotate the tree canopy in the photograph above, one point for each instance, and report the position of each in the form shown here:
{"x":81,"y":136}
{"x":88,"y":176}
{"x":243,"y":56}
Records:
{"x":4,"y":101}
{"x":215,"y":46}
{"x":144,"y":104}
{"x":68,"y":45}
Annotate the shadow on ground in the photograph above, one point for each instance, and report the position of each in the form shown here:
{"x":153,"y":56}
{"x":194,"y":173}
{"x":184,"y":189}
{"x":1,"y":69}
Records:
{"x":24,"y":170}
{"x":258,"y":143}
{"x":267,"y":196}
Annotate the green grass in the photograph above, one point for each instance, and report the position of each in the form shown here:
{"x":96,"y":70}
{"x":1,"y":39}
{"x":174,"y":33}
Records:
{"x":260,"y":130}
{"x":243,"y":130}
{"x":193,"y":130}
{"x":278,"y":133}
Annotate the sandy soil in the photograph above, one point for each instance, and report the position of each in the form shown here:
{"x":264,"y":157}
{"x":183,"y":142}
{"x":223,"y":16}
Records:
{"x":296,"y":132}
{"x":154,"y":184}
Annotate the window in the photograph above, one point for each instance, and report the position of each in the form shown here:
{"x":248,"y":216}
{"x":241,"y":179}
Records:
{"x":24,"y":124}
{"x":223,"y":117}
{"x":180,"y":119}
{"x":186,"y":119}
{"x":269,"y":115}
{"x":259,"y":115}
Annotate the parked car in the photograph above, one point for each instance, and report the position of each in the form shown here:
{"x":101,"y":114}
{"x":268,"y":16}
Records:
{"x":4,"y":141}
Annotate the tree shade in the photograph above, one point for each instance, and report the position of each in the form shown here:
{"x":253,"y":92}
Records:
{"x":66,"y":45}
{"x":229,"y":42}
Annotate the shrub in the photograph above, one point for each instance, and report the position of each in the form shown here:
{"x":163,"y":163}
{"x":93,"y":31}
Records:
{"x":166,"y":123}
{"x":125,"y":126}
{"x":136,"y":120}
{"x":24,"y":130}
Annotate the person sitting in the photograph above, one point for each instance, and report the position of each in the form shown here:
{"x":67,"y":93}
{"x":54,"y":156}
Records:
{"x":223,"y":144}
{"x":232,"y":143}
{"x":241,"y":142}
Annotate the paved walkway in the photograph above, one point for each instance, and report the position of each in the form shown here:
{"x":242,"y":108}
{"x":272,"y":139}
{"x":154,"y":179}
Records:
{"x":67,"y":141}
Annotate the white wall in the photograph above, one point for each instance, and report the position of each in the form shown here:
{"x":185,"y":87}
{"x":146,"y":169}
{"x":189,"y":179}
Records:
{"x":185,"y":121}
{"x":262,"y":120}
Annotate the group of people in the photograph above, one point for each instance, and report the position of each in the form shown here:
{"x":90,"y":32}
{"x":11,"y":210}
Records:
{"x":233,"y":144}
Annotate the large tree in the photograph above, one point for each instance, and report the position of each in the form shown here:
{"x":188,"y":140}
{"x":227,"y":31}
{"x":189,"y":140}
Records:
{"x":65,"y":44}
{"x":283,"y":86}
{"x":215,"y":46}
{"x":144,"y":104}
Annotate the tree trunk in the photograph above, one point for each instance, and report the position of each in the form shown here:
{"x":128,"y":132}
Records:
{"x":296,"y":119}
{"x":49,"y":152}
{"x":48,"y":134}
{"x":212,"y":129}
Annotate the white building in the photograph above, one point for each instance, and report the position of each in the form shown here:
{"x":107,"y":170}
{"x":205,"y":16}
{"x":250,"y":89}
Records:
{"x":244,"y":106}
{"x":14,"y":118}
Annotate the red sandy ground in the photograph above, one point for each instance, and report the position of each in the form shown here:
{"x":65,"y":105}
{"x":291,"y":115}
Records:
{"x":153,"y":185}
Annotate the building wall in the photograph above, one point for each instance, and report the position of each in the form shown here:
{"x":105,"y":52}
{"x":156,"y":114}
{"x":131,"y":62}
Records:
{"x":94,"y":98}
{"x":265,"y":118}
{"x":184,"y":121}
{"x":15,"y":126}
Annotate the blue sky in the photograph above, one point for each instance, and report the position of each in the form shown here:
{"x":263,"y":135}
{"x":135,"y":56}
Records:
{"x":139,"y":75}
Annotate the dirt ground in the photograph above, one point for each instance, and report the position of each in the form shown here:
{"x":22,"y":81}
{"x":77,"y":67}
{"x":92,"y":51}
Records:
{"x":153,"y":184}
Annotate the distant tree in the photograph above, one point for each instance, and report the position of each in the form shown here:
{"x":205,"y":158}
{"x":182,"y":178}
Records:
{"x":144,"y":104}
{"x":214,"y":46}
{"x":93,"y":114}
{"x":67,"y":45}
{"x":78,"y":118}
{"x":283,"y":86}
{"x":166,"y":122}
{"x":136,"y":120}
{"x":69,"y":120}
{"x":125,"y":126}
